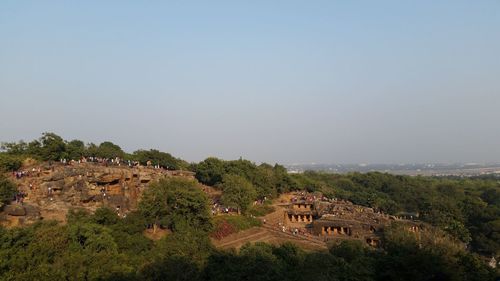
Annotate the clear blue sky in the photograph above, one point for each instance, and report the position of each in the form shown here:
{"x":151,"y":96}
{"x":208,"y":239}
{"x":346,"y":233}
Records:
{"x":275,"y":81}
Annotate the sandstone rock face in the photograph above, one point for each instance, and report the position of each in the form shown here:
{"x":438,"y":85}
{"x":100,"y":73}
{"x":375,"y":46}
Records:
{"x":15,"y":210}
{"x":58,"y":188}
{"x":32,"y":211}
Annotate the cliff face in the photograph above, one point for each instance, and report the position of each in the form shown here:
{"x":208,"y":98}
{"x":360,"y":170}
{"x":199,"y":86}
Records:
{"x":51,"y":190}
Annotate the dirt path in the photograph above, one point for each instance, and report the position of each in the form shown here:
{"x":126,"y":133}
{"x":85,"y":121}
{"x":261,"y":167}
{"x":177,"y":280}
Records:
{"x":270,"y":233}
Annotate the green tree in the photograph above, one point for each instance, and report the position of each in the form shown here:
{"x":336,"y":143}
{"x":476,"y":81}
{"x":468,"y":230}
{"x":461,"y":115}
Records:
{"x":165,"y":160}
{"x":109,"y":150}
{"x":175,"y":203}
{"x":210,"y":171}
{"x":34,"y":149}
{"x":105,"y":216}
{"x":254,"y":262}
{"x":91,"y":149}
{"x":15,"y":148}
{"x":7,"y":190}
{"x":237,"y":192}
{"x":52,"y":147}
{"x":188,"y":242}
{"x":179,"y":268}
{"x":491,"y":196}
{"x":10,"y":162}
{"x":75,"y":149}
{"x":92,"y":238}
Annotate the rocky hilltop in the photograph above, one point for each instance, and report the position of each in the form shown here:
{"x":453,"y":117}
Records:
{"x":50,"y":191}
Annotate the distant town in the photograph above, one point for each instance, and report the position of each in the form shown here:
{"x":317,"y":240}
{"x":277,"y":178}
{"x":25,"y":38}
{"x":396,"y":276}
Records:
{"x":458,"y":170}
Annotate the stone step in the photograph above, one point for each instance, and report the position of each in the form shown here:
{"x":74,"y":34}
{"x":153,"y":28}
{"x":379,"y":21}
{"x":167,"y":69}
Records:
{"x":247,"y":238}
{"x":267,"y":238}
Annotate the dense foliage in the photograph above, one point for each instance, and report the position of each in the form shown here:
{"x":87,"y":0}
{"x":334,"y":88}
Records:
{"x":51,"y":147}
{"x":468,"y":209}
{"x":104,"y":247}
{"x":267,"y":180}
{"x":7,"y":190}
{"x":159,"y":158}
{"x":237,"y":192}
{"x":9,"y":162}
{"x":225,"y":225}
{"x":176,"y":203}
{"x":349,"y":260}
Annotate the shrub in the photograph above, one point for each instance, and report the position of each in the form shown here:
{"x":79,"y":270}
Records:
{"x":226,"y":225}
{"x":9,"y":162}
{"x":223,"y":229}
{"x":261,"y":210}
{"x":7,"y":190}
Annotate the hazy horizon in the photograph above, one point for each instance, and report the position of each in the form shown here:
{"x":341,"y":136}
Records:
{"x":282,"y":82}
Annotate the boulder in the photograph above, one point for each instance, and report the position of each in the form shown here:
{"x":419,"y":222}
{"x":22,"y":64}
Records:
{"x":32,"y":211}
{"x":57,"y":185}
{"x":114,"y":189}
{"x":109,"y":179}
{"x":145,"y":177}
{"x":118,"y":200}
{"x":15,"y":210}
{"x":86,"y":198}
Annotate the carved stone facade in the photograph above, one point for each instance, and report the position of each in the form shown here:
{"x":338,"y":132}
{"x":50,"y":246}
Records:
{"x":338,"y":219}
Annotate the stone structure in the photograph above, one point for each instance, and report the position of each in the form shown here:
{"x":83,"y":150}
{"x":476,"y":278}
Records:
{"x":299,"y":214}
{"x":338,"y":219}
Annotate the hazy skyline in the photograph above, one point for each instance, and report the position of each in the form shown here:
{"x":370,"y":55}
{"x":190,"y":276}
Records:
{"x":286,"y":82}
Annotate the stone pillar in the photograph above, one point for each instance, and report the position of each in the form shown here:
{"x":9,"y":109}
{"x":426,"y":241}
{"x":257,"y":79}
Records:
{"x":329,"y":230}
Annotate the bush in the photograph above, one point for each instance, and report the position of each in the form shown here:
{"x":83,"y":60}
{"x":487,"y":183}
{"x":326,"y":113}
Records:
{"x":226,"y":225}
{"x":261,"y":210}
{"x":7,"y":190}
{"x":9,"y":162}
{"x":223,"y":229}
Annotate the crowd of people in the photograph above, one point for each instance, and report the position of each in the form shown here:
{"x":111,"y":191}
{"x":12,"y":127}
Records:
{"x":218,"y":208}
{"x":299,"y":231}
{"x":26,"y":173}
{"x":117,"y":161}
{"x":310,"y":198}
{"x":306,"y":197}
{"x":19,"y":197}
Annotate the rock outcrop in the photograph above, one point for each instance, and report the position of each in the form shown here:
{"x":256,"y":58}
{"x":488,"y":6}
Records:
{"x":50,"y":191}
